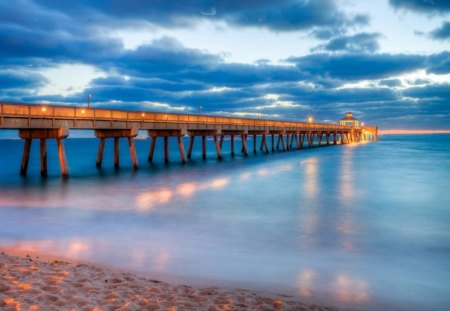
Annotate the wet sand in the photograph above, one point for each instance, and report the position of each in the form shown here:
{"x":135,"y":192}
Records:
{"x":30,"y":283}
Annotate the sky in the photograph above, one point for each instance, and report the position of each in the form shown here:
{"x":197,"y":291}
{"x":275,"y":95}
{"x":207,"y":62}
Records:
{"x":387,"y":61}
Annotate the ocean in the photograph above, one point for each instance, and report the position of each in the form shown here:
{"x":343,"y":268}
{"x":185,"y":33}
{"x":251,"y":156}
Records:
{"x":363,"y":226}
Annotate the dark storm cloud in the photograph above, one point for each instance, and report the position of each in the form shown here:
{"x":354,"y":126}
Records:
{"x":358,"y":66}
{"x":277,"y":15}
{"x":439,"y":63}
{"x":167,"y":60}
{"x":25,"y":46}
{"x":35,"y":36}
{"x":19,"y":85}
{"x":19,"y":79}
{"x":422,"y":6}
{"x":441,"y":33}
{"x":360,"y":43}
{"x":436,"y":92}
{"x":164,"y":56}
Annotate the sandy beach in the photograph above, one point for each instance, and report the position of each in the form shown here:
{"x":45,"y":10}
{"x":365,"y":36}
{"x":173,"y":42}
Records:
{"x":30,"y":283}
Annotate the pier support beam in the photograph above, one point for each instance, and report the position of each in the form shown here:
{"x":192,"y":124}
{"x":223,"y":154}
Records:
{"x":204,"y":147}
{"x":62,"y":157}
{"x":166,"y":134}
{"x":255,"y":133}
{"x":290,"y":137}
{"x":302,"y":140}
{"x":101,"y":148}
{"x":116,"y":152}
{"x":191,"y":145}
{"x":43,"y":147}
{"x":43,"y":134}
{"x":218,"y":148}
{"x":116,"y":134}
{"x":205,"y":133}
{"x":280,"y":138}
{"x":244,"y":144}
{"x":310,"y":139}
{"x":232,"y":134}
{"x":25,"y":157}
{"x":273,"y":142}
{"x":282,"y":142}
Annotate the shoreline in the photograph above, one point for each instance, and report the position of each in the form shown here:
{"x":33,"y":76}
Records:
{"x":31,"y":282}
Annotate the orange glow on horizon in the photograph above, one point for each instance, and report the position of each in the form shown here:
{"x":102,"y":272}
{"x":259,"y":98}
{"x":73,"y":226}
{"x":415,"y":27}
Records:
{"x":411,"y":132}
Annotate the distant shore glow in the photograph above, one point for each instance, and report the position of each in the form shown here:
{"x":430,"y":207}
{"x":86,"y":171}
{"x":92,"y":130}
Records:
{"x":412,"y":132}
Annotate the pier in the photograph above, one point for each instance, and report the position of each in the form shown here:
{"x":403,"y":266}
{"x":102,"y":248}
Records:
{"x":42,"y":122}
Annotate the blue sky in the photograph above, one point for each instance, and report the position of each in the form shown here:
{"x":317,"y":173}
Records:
{"x":388,"y":61}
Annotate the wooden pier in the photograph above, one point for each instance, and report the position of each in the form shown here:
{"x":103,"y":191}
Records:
{"x":42,"y":122}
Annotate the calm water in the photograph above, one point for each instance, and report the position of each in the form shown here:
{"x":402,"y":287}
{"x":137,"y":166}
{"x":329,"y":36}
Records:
{"x":364,"y":225}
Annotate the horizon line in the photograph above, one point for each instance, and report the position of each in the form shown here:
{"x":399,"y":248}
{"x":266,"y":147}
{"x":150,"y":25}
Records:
{"x":412,"y":131}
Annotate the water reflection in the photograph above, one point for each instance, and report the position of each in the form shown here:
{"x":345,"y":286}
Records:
{"x":311,"y":184}
{"x":264,"y":172}
{"x":70,"y":248}
{"x":309,"y":216}
{"x":342,"y":287}
{"x":306,"y":280}
{"x":111,"y":200}
{"x":346,"y":174}
{"x":148,"y":200}
{"x":347,"y":289}
{"x":346,"y":225}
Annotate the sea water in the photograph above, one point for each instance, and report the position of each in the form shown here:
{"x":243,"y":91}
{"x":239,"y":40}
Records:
{"x":365,"y":226}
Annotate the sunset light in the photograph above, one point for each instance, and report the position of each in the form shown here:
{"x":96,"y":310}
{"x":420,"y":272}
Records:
{"x":225,"y":155}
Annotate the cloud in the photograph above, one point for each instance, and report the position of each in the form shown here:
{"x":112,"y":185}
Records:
{"x":294,"y":15}
{"x":439,"y":63}
{"x":360,"y":43}
{"x":435,"y":92}
{"x":42,"y":48}
{"x":12,"y":79}
{"x":358,"y":66}
{"x":164,"y":75}
{"x":441,"y":33}
{"x":391,"y":82}
{"x":276,"y":15}
{"x":422,"y":6}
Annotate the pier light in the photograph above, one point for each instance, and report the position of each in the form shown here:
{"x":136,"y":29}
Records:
{"x":44,"y":109}
{"x":143,"y":114}
{"x":362,"y":123}
{"x":83,"y":111}
{"x":310,"y":119}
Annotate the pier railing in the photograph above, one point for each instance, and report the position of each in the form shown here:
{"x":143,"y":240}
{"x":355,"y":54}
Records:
{"x":50,"y":116}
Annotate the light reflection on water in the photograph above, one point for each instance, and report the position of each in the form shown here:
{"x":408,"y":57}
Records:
{"x":358,"y":225}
